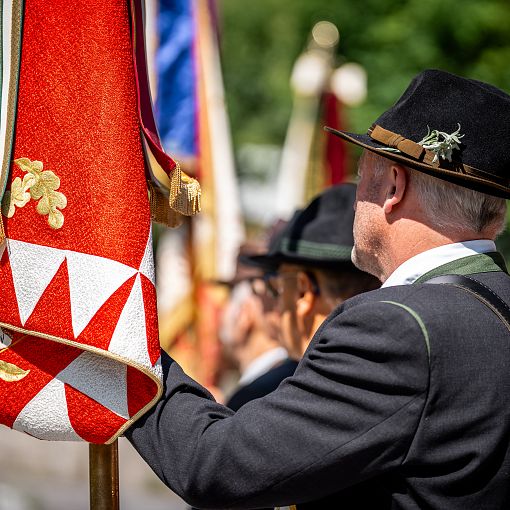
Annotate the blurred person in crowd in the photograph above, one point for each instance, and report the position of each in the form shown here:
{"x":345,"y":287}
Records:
{"x":402,"y":398}
{"x":308,"y":270}
{"x":308,"y":267}
{"x":250,"y":333}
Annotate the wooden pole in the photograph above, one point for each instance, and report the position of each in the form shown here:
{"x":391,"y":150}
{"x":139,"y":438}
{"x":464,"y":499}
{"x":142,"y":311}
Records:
{"x":104,"y":476}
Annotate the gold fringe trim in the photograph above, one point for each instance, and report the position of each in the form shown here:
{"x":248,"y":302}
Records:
{"x":185,"y":193}
{"x":2,"y":231}
{"x":178,"y":196}
{"x":160,"y":208}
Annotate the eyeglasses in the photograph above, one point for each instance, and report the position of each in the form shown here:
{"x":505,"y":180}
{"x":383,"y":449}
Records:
{"x":272,"y":284}
{"x":267,"y":285}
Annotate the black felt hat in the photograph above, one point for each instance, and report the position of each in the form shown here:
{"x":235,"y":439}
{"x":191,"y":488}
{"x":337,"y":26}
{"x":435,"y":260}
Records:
{"x":319,"y":236}
{"x":467,"y":123}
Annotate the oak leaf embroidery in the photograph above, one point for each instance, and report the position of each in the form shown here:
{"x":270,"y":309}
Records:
{"x":18,"y":196}
{"x":8,"y":371}
{"x":38,"y":184}
{"x":11,"y":373}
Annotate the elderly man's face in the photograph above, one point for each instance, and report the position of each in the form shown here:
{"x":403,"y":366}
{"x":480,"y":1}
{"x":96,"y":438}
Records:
{"x":369,"y":218}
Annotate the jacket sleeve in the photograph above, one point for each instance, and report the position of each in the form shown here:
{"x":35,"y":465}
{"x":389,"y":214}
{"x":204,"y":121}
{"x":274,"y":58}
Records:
{"x":349,"y":413}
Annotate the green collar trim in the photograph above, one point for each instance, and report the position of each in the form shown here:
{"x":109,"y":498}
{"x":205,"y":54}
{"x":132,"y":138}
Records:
{"x":481,"y":263}
{"x":316,"y":250}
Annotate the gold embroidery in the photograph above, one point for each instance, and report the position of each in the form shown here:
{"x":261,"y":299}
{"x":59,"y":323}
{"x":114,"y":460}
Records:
{"x":8,"y":371}
{"x":13,"y":67}
{"x":11,"y":373}
{"x":18,"y":196}
{"x":37,"y":184}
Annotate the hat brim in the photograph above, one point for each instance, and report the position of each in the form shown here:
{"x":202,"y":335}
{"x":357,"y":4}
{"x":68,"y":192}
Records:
{"x":264,"y":262}
{"x":271,"y":263}
{"x":462,"y":179}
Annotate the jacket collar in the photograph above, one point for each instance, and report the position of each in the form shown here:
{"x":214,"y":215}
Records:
{"x":415,"y":267}
{"x":481,"y":263}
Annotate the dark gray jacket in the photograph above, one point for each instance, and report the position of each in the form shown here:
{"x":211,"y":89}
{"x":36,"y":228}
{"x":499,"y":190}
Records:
{"x":401,"y":401}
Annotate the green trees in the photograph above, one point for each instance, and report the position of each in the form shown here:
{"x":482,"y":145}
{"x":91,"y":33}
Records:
{"x":393,"y":40}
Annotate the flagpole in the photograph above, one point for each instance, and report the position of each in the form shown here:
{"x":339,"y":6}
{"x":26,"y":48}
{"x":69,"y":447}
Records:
{"x":104,"y":476}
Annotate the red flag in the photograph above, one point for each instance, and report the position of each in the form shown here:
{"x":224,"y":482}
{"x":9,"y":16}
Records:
{"x":335,"y":154}
{"x":79,"y":358}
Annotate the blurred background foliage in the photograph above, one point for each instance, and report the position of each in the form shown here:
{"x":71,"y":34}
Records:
{"x":393,"y":41}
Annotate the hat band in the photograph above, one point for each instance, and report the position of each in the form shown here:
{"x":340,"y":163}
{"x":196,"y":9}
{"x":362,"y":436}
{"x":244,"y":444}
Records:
{"x":404,"y":145}
{"x":418,"y":152}
{"x":320,"y":251}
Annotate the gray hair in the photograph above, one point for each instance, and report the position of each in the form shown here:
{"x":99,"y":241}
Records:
{"x":451,"y":207}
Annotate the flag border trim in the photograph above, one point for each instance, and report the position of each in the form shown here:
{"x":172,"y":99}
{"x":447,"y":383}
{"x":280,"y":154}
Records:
{"x":115,"y":357}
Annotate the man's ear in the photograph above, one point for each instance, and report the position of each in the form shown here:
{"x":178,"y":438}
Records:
{"x":306,"y":301}
{"x":397,"y":182}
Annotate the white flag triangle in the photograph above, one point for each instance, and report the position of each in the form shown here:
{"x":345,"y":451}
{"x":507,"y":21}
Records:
{"x":33,"y":267}
{"x":147,"y":264}
{"x":100,"y":378}
{"x":34,"y":418}
{"x":130,"y":336}
{"x":92,"y":280}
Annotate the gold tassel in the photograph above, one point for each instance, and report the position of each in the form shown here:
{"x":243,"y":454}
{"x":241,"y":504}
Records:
{"x":184,"y":193}
{"x":160,"y":208}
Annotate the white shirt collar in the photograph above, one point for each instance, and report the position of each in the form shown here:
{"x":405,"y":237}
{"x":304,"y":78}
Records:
{"x":262,"y":364}
{"x":417,"y":266}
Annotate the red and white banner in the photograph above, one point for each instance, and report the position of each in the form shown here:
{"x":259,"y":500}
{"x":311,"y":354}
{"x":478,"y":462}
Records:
{"x":79,"y":352}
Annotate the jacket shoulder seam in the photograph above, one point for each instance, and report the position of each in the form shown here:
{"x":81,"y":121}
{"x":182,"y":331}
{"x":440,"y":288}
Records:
{"x":418,"y":320}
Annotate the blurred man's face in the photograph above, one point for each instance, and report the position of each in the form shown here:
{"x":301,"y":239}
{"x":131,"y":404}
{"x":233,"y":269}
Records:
{"x":235,"y":323}
{"x":293,"y":331}
{"x":249,"y":310}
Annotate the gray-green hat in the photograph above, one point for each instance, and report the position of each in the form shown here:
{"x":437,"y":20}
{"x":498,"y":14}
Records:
{"x":319,"y":236}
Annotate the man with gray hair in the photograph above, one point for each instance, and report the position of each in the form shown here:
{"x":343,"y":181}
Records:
{"x":440,"y":213}
{"x":402,"y":399}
